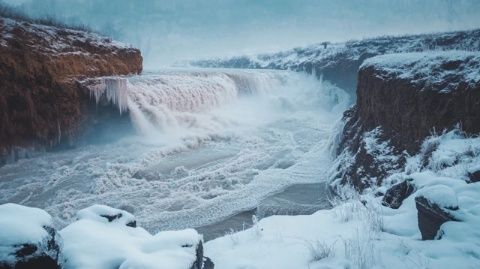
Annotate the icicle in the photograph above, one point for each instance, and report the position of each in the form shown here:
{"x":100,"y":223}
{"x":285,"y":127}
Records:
{"x":113,"y":89}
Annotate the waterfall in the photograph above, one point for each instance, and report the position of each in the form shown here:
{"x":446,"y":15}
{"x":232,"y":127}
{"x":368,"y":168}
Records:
{"x":172,"y":100}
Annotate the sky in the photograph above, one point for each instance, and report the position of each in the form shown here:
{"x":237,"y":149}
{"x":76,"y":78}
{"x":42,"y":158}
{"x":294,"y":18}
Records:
{"x":169,"y":31}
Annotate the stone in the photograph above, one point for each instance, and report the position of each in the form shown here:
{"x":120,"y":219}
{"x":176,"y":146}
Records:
{"x":474,"y":176}
{"x":397,"y":193}
{"x":37,"y":244}
{"x":431,"y":217}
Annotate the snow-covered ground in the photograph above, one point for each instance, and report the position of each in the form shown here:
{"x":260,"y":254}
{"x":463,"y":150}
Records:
{"x":440,"y":70}
{"x":331,"y":54}
{"x":361,"y":233}
{"x":54,"y":39}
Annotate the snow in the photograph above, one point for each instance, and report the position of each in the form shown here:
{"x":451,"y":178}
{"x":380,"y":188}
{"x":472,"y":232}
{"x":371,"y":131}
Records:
{"x":336,"y":53}
{"x":356,"y":234}
{"x":382,"y":150}
{"x":94,"y":243}
{"x":440,"y":195}
{"x":99,"y":213}
{"x":56,"y":39}
{"x":21,"y":225}
{"x":431,"y":69}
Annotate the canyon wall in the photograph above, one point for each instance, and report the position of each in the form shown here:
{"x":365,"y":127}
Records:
{"x":42,"y":104}
{"x":401,"y":100}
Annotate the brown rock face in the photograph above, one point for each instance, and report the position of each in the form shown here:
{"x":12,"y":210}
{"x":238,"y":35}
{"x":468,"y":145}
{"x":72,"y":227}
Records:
{"x":41,"y":103}
{"x":408,"y":114}
{"x":409,"y":97}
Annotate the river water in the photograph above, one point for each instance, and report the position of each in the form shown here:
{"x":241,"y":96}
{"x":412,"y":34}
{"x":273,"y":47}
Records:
{"x":209,"y":145}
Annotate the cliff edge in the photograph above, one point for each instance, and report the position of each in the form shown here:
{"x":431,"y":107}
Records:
{"x":401,"y":100}
{"x":42,"y":105}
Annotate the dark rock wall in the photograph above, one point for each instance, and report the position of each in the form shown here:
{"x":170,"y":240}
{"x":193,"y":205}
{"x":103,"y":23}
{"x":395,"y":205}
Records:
{"x":408,"y":113}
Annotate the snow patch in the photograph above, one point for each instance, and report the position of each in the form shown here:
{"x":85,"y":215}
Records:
{"x":430,"y":69}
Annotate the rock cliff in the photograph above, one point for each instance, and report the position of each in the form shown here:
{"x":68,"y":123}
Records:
{"x":339,"y":62}
{"x":42,"y":105}
{"x":402,"y":99}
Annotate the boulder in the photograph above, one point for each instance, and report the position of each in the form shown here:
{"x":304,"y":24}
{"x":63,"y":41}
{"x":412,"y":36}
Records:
{"x":106,"y":214}
{"x":474,"y":176}
{"x":435,"y":206}
{"x":397,"y":193}
{"x":106,"y":237}
{"x":27,"y":239}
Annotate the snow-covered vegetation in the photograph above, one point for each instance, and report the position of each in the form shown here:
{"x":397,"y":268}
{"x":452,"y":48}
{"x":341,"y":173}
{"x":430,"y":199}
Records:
{"x":358,"y":232}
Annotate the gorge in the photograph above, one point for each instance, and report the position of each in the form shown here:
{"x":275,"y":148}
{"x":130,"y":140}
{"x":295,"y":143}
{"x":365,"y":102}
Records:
{"x":358,"y":154}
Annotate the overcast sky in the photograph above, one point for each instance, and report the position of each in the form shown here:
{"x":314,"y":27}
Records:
{"x":174,"y":30}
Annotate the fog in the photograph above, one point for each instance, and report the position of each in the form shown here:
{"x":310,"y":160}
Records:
{"x":170,"y":31}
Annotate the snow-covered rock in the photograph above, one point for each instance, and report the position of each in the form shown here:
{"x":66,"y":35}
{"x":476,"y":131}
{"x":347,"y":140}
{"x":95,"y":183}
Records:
{"x":395,"y":195}
{"x":105,"y":237}
{"x":431,"y":217}
{"x":408,"y":97}
{"x":101,"y":238}
{"x":27,"y":238}
{"x":106,"y":214}
{"x":42,"y":105}
{"x":474,"y":174}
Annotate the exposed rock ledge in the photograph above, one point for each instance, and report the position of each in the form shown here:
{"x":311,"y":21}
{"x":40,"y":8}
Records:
{"x":42,"y":105}
{"x":402,"y":99}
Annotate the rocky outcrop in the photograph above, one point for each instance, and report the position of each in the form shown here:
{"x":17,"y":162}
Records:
{"x":339,"y":62}
{"x":474,"y":175}
{"x":402,"y":99}
{"x":42,"y":105}
{"x":28,"y":239}
{"x":433,"y":211}
{"x":395,"y":195}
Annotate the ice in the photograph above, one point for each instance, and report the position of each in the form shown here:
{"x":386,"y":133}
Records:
{"x":113,"y":89}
